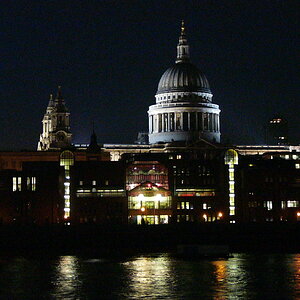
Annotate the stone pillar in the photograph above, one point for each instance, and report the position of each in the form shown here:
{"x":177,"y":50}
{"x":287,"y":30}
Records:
{"x":150,"y":124}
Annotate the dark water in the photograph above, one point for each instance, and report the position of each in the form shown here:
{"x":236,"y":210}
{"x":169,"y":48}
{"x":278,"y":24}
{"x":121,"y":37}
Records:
{"x":151,"y":277}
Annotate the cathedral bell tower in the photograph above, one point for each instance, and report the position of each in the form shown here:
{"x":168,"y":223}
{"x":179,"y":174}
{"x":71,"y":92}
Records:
{"x":56,"y":125}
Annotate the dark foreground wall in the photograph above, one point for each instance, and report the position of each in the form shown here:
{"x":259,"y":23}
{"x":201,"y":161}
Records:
{"x":127,"y":240}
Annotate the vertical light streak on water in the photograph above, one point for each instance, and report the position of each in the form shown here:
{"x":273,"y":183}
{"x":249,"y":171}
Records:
{"x":149,"y":276}
{"x":220,"y":278}
{"x":237,"y":278}
{"x":66,"y":282}
{"x":295,"y":271}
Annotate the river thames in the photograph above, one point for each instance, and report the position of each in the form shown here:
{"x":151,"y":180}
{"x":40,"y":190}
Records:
{"x":159,"y":276}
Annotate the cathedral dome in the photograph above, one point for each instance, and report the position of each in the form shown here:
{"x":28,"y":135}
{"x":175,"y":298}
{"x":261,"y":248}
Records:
{"x":183,"y":77}
{"x":183,"y":111}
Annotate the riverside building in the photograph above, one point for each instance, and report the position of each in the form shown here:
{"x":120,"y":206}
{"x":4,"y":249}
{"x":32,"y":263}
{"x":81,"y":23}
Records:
{"x":184,"y":174}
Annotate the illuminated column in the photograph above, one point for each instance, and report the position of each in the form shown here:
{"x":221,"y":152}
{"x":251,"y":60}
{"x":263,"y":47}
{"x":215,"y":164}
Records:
{"x":66,"y":161}
{"x":150,"y":124}
{"x":231,"y":159}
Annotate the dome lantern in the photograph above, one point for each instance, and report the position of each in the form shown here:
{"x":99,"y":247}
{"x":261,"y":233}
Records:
{"x":183,"y":49}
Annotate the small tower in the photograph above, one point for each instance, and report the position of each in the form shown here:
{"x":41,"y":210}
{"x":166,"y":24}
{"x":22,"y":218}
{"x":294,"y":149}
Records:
{"x":56,"y":125}
{"x":93,"y":146}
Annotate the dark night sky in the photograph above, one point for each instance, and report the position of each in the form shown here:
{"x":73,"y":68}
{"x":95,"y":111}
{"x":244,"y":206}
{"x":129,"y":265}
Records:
{"x":109,"y":56}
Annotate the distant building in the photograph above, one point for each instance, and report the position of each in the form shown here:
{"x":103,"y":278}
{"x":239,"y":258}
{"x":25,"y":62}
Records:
{"x":277,"y":131}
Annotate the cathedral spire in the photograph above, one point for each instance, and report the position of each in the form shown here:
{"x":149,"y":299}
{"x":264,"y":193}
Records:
{"x":51,"y":102}
{"x":183,"y":49}
{"x":59,"y":93}
{"x":93,"y":146}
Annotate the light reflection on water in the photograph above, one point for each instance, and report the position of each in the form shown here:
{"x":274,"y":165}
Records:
{"x":161,"y":276}
{"x":66,"y":282}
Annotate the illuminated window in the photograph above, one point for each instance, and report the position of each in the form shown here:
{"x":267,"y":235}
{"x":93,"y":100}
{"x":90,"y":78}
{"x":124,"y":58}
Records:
{"x":106,"y":182}
{"x":33,"y":183}
{"x":204,"y":205}
{"x":17,"y":184}
{"x":269,"y":205}
{"x":297,"y":166}
{"x":14,"y":184}
{"x":178,"y":156}
{"x":94,"y":182}
{"x":283,"y":205}
{"x":292,"y":203}
{"x":80,"y":182}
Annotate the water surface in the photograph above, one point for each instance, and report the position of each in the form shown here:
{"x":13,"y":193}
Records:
{"x":245,"y":276}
